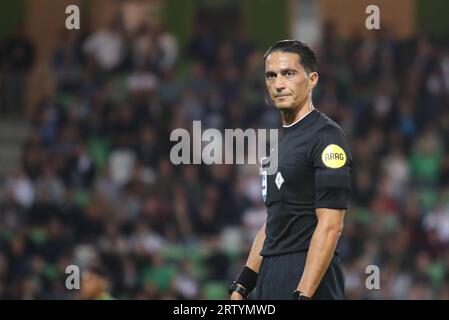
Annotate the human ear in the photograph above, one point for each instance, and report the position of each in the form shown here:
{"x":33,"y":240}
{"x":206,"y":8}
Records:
{"x":313,"y":79}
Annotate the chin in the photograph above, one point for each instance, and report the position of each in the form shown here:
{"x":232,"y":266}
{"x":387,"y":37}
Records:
{"x":282,"y":106}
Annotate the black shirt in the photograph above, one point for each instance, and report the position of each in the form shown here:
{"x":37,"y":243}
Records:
{"x":314,"y":168}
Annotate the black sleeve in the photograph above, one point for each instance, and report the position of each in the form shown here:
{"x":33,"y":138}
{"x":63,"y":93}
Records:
{"x":332,"y":163}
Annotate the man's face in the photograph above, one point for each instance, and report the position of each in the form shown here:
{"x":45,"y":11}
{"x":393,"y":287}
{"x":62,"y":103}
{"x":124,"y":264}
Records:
{"x":91,"y":286}
{"x":287,"y":82}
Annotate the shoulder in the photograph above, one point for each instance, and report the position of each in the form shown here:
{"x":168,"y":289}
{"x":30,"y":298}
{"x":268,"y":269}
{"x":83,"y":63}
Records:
{"x":328,"y":134}
{"x":326,"y":128}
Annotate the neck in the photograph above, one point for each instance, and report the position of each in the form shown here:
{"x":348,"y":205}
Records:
{"x":291,"y":116}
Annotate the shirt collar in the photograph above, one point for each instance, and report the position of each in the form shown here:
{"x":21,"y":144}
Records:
{"x":292,"y":124}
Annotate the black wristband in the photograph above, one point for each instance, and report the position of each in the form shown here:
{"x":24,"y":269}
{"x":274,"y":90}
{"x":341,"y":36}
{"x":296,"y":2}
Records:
{"x":298,"y":295}
{"x":239,"y":289}
{"x":247,"y":278}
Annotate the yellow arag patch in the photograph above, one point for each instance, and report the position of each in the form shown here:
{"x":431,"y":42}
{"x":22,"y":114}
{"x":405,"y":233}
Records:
{"x":333,"y":156}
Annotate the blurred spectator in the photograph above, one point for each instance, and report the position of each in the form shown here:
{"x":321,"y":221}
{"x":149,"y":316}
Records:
{"x":95,"y":284}
{"x":107,"y":46}
{"x":17,"y":56}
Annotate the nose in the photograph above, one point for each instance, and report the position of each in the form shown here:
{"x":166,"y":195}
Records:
{"x":279,"y":84}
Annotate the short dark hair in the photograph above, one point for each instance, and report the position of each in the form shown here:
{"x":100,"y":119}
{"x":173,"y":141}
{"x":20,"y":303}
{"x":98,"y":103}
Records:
{"x":307,"y":56}
{"x":97,"y":269}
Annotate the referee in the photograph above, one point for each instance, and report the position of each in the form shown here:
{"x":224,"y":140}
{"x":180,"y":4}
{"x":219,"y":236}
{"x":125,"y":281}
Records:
{"x":294,"y":254}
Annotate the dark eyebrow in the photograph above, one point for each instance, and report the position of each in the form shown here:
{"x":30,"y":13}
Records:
{"x":284,"y":71}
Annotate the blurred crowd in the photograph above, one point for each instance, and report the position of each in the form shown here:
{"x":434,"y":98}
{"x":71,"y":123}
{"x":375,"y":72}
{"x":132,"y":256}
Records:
{"x":95,"y":181}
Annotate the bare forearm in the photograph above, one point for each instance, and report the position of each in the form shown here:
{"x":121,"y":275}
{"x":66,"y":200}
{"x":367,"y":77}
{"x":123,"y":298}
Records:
{"x":319,"y":256}
{"x":255,"y":259}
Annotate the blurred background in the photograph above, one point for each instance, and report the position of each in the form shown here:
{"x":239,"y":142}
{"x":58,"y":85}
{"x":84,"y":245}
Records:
{"x":85,"y":119}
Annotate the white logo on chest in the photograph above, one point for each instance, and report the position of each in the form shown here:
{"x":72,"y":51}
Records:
{"x":279,"y":180}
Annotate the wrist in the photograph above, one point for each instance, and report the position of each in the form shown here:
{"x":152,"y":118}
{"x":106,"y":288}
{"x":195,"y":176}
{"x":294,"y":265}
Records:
{"x":245,"y":283}
{"x":298,"y":295}
{"x":305,"y":289}
{"x":236,"y":287}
